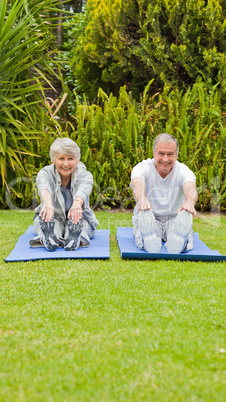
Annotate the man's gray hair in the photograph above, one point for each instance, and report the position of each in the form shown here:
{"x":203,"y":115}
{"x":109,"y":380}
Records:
{"x":167,"y":138}
{"x":64,"y":146}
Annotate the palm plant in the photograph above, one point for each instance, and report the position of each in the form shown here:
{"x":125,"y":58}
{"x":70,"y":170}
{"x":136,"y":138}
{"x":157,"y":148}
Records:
{"x":26,"y":64}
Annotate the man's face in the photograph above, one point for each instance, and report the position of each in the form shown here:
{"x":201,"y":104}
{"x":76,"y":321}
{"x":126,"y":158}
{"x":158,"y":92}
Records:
{"x":165,"y":157}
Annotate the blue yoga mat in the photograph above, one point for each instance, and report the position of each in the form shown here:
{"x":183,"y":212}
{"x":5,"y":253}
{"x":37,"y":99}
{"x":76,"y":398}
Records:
{"x":99,"y":248}
{"x":129,"y":249}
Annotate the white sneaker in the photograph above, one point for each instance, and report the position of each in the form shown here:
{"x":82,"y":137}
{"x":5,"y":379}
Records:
{"x":182,"y":228}
{"x":147,"y":226}
{"x":146,"y":222}
{"x":152,"y":243}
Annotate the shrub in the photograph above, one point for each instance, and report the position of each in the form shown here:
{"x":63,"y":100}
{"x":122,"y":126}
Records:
{"x":129,"y":43}
{"x":26,"y":64}
{"x":116,"y":133}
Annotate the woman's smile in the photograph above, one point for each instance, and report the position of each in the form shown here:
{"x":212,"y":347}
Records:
{"x":65,"y":164}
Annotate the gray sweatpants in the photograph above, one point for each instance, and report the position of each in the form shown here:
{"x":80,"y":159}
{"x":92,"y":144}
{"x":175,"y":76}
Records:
{"x":164,"y":230}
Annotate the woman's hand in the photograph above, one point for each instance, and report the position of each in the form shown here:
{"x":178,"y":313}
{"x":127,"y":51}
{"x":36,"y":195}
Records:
{"x":47,"y":210}
{"x":75,"y":212}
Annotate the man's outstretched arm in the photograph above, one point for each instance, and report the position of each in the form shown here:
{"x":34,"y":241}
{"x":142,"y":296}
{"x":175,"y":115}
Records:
{"x":139,"y":188}
{"x":191,"y":197}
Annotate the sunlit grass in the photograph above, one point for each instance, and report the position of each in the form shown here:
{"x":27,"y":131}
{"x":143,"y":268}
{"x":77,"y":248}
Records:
{"x":112,"y":330}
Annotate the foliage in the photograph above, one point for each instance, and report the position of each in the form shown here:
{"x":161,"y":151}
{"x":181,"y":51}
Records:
{"x":21,"y":190}
{"x":26,"y":66}
{"x":178,"y":44}
{"x":112,"y":330}
{"x":197,"y":121}
{"x":131,"y":42}
{"x":111,"y":140}
{"x":74,"y":29}
{"x":116,"y":133}
{"x":74,"y":6}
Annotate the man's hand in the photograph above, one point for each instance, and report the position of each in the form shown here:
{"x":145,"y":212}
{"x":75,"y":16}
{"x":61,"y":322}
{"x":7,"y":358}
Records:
{"x":191,"y":197}
{"x":139,"y":187}
{"x":75,"y":212}
{"x":187,"y":206}
{"x":143,"y":205}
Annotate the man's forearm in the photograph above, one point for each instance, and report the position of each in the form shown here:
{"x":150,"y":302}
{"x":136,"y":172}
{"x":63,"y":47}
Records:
{"x":191,"y":197}
{"x":191,"y":194}
{"x":139,"y":194}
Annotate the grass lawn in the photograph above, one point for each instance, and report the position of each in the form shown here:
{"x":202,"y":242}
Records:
{"x":112,"y":330}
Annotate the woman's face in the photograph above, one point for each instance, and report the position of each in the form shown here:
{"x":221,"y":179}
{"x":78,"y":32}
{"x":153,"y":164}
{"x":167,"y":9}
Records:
{"x":65,"y":165}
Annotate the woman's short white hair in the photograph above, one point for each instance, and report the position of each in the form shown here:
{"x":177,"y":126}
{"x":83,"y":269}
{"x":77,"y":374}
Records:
{"x":167,"y":138}
{"x":64,"y":146}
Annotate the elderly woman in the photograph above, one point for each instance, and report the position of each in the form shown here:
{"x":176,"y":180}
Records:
{"x":64,"y":218}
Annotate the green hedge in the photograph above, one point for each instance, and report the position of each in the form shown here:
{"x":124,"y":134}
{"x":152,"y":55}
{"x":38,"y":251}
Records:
{"x":116,"y":133}
{"x":131,"y":42}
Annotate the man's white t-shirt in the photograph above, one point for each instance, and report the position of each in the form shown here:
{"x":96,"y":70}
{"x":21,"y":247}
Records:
{"x":165,"y":195}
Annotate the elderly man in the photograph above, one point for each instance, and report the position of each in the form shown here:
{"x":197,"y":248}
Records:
{"x":165,"y":192}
